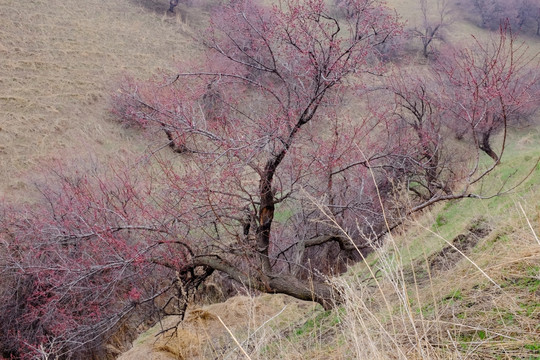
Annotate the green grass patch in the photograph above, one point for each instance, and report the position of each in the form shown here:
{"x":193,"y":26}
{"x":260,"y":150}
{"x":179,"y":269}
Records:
{"x":529,"y":282}
{"x":283,"y":213}
{"x":455,"y":295}
{"x":530,"y":309}
{"x":426,"y":310}
{"x":327,"y":319}
{"x":466,"y":339}
{"x":533,"y":347}
{"x":505,"y":317}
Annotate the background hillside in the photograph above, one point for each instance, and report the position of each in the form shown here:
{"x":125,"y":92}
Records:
{"x":59,"y":64}
{"x":461,"y":280}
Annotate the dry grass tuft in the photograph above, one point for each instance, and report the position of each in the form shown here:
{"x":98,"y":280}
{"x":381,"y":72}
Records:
{"x":202,"y":335}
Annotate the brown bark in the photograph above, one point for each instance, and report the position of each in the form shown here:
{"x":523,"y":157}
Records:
{"x":319,"y":292}
{"x":309,"y":290}
{"x":172,"y":5}
{"x":485,"y":146}
{"x":266,"y":215}
{"x":344,"y":242}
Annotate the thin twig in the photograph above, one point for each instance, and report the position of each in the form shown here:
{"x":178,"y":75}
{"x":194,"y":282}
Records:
{"x":260,"y":327}
{"x":528,"y":222}
{"x":234,"y":338}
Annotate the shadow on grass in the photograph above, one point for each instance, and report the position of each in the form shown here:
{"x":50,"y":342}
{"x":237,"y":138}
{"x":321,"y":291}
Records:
{"x":161,"y":7}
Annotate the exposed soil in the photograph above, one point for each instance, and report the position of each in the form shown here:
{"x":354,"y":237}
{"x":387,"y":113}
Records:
{"x":450,"y":255}
{"x":447,"y":258}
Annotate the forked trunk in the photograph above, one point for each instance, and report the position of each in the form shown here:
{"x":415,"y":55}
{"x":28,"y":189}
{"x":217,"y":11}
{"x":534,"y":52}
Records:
{"x":485,"y":146}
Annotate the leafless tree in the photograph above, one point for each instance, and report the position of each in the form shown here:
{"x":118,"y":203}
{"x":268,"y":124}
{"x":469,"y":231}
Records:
{"x":172,"y":5}
{"x":434,"y":24}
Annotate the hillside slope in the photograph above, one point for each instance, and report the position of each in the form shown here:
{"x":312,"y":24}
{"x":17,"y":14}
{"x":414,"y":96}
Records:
{"x":59,"y":61}
{"x":461,"y":280}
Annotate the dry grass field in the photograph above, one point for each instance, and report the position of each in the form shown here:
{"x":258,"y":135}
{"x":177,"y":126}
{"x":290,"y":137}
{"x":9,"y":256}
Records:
{"x":59,"y":61}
